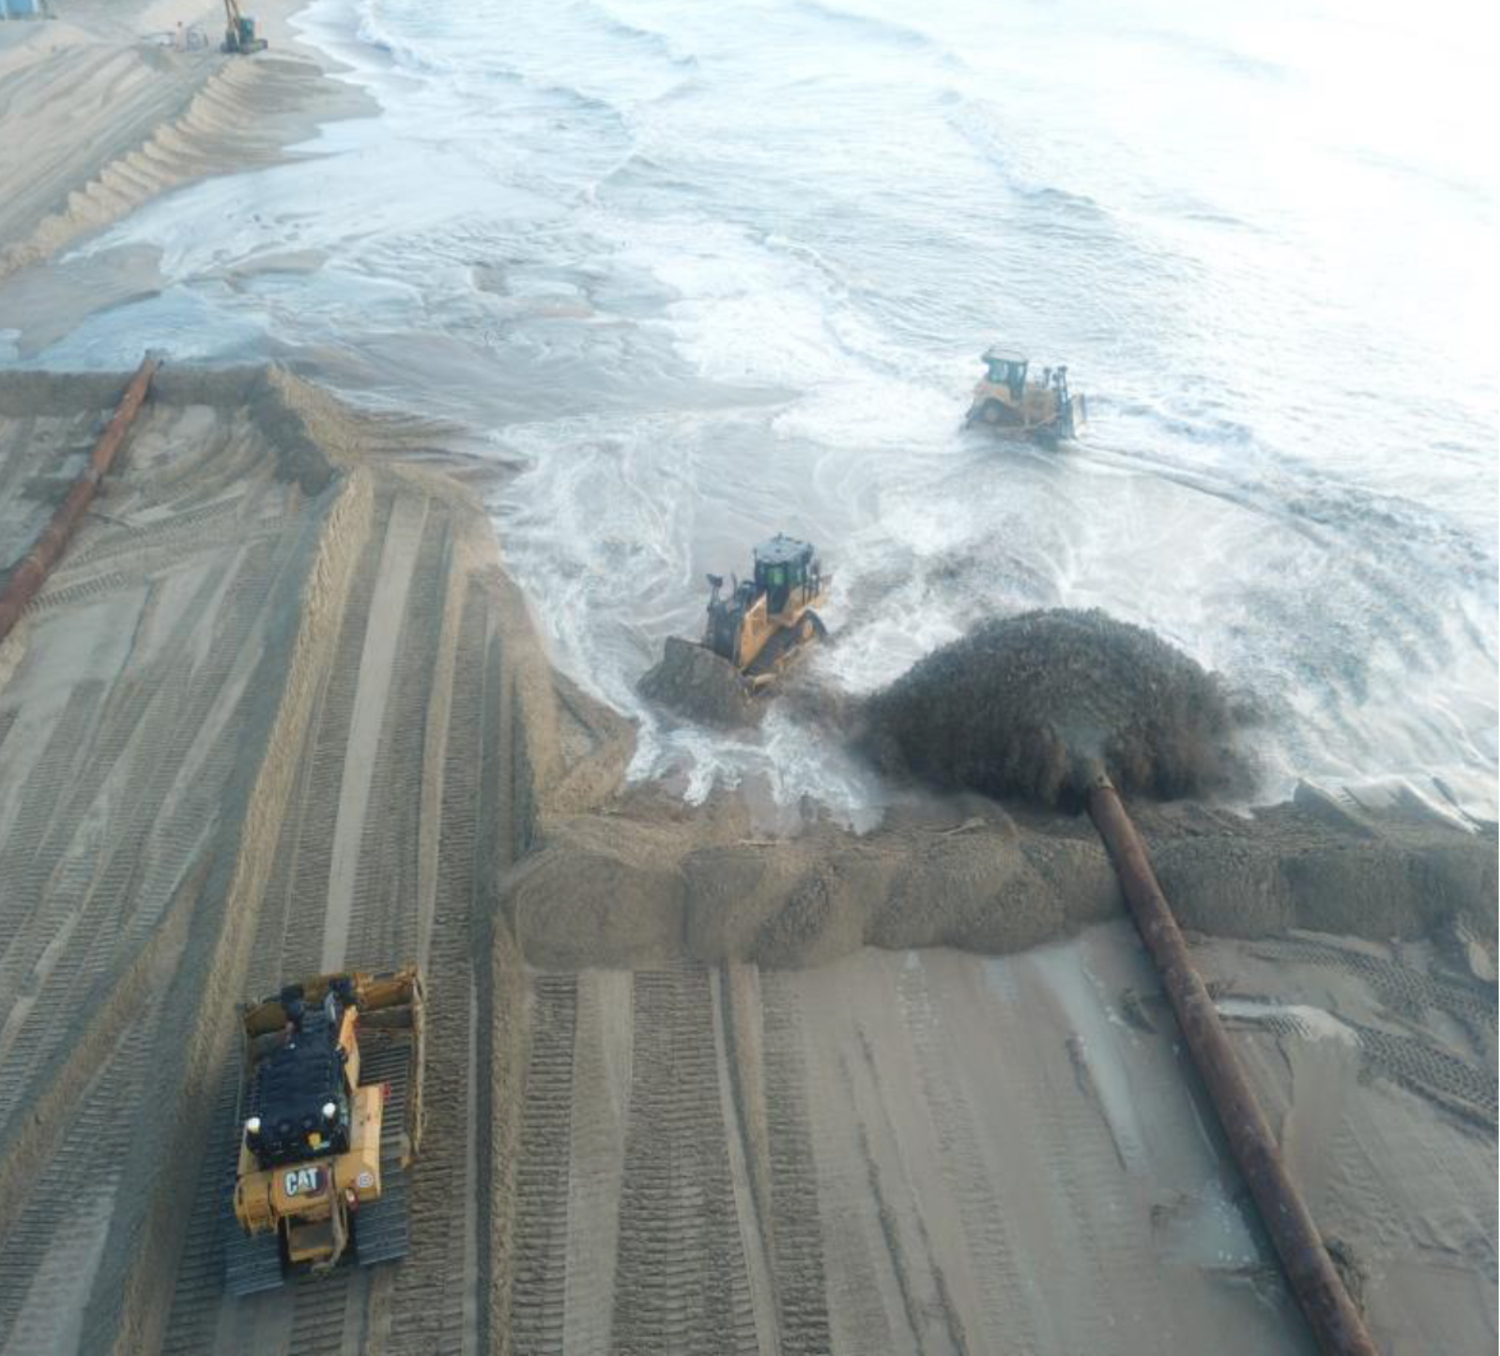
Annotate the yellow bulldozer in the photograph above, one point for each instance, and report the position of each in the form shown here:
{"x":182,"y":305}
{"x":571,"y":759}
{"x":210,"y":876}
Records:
{"x":329,"y":1121}
{"x":1008,"y":402}
{"x":753,"y":632}
{"x":764,"y":622}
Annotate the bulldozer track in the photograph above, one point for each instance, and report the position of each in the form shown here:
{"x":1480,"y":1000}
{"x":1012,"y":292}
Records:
{"x":383,"y":922}
{"x":990,"y":1255}
{"x":434,"y":1288}
{"x":681,"y":1283}
{"x":602,"y":1056}
{"x":313,"y":832}
{"x":47,"y":1255}
{"x":200,"y":1274}
{"x":537,"y":1302}
{"x":796,"y":1230}
{"x":322,"y":1307}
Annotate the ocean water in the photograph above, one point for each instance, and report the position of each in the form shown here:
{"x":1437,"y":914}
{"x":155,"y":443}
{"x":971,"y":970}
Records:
{"x":704,"y":273}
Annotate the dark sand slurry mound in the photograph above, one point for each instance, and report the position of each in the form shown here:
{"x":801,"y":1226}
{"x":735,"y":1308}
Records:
{"x":1029,"y":705}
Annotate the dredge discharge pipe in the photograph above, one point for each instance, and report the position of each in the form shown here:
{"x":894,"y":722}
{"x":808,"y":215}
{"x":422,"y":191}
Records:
{"x":37,"y":564}
{"x":1310,"y":1271}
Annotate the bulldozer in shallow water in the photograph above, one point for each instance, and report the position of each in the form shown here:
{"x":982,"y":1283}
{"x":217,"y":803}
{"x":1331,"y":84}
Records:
{"x":752,"y":633}
{"x":1008,"y":402}
{"x":766,"y":621}
{"x":329,"y":1122}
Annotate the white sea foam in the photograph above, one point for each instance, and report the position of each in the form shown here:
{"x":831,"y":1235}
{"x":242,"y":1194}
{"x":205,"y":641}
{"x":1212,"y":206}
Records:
{"x":707,"y":274}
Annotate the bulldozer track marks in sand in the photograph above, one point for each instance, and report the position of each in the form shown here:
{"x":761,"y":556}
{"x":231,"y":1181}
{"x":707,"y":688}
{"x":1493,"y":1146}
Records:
{"x":796,"y":1229}
{"x":681,"y":1284}
{"x":542,"y":1177}
{"x":196,"y":545}
{"x":434,"y":1298}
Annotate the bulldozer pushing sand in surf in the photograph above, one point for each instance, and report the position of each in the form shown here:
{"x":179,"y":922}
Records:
{"x":753,"y":632}
{"x":1006,"y":401}
{"x":329,"y":1121}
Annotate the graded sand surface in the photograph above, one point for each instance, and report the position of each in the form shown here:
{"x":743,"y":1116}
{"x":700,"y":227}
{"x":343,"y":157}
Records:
{"x":249,"y":731}
{"x":929,"y":1151}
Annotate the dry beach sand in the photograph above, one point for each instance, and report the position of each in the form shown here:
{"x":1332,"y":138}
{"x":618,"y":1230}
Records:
{"x":690,"y":1088}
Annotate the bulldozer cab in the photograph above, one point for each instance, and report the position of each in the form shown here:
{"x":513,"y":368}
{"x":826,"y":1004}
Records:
{"x":782,"y":565}
{"x":769,"y":607}
{"x":300,"y":1095}
{"x":1007,"y":369}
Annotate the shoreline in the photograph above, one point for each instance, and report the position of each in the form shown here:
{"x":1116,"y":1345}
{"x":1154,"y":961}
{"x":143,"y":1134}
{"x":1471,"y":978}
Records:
{"x":126,"y":120}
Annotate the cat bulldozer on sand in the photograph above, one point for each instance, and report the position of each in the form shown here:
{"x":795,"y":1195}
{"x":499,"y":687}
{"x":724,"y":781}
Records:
{"x":766,"y":621}
{"x":1007,"y":402}
{"x":329,"y":1120}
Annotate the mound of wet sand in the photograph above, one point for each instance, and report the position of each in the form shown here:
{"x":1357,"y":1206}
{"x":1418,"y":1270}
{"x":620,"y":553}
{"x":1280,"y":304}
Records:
{"x":694,"y":682}
{"x":652,"y":879}
{"x":1033,"y":705}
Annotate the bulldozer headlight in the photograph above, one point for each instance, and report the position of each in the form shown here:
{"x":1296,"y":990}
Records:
{"x":252,"y":1126}
{"x":330,"y":1110}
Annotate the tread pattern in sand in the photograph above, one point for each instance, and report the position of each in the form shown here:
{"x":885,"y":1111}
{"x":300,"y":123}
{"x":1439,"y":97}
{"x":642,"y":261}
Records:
{"x":681,"y":1283}
{"x":542,"y":1175}
{"x":127,"y":713}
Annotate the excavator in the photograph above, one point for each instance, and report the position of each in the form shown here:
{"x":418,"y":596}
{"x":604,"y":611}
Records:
{"x":1008,"y":402}
{"x":239,"y":32}
{"x":329,"y":1121}
{"x":764,"y":622}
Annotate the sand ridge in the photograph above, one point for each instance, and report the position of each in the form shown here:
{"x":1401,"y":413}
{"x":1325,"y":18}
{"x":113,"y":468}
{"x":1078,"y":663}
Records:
{"x":651,"y":879}
{"x":99,"y":122}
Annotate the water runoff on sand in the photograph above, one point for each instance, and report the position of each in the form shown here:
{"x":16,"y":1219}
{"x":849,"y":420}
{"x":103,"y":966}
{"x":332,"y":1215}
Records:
{"x":702,"y":273}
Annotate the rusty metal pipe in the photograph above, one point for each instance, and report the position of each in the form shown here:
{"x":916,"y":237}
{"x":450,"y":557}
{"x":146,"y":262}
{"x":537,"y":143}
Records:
{"x":1315,"y":1282}
{"x":37,"y":564}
